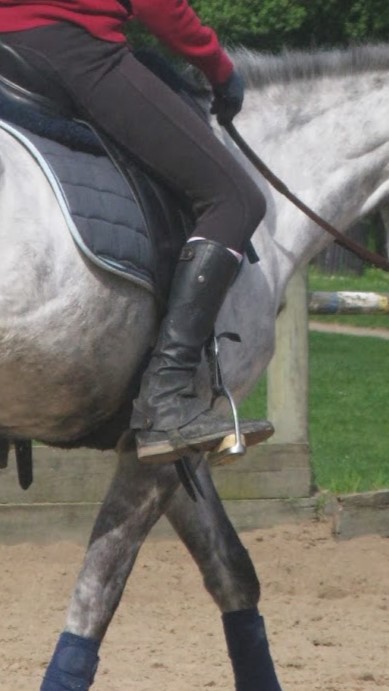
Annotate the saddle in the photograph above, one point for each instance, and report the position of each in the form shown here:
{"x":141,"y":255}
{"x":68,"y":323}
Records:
{"x":42,"y":110}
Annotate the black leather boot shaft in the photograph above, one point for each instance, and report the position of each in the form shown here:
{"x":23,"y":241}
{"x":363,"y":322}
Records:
{"x":167,"y":398}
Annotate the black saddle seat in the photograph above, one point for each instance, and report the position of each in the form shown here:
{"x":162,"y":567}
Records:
{"x":24,"y":86}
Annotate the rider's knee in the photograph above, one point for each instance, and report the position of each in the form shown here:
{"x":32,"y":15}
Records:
{"x":255,"y":207}
{"x":243,"y":211}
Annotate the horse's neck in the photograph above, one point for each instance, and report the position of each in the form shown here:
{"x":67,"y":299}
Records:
{"x":328,"y":139}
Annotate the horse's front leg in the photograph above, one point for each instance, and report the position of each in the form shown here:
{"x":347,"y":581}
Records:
{"x":230,"y":578}
{"x":136,"y":499}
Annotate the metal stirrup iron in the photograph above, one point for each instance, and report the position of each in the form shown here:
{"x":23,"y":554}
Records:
{"x":234,"y":444}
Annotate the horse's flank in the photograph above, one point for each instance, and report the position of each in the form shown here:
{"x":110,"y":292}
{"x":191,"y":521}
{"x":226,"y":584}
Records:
{"x":69,"y":333}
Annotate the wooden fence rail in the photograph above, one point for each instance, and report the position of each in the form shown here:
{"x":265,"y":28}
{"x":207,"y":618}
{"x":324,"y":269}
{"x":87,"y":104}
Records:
{"x":348,"y":302}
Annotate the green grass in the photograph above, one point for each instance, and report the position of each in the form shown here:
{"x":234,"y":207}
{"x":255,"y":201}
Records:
{"x":349,"y":412}
{"x":372,"y":280}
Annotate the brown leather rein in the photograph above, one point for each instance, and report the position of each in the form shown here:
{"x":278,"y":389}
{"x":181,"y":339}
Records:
{"x":362,"y":252}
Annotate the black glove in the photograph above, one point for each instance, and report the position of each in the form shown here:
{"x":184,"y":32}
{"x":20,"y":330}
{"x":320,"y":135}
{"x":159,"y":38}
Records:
{"x":228,"y":99}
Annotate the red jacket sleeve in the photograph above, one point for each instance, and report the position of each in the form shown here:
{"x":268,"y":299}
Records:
{"x":178,"y":26}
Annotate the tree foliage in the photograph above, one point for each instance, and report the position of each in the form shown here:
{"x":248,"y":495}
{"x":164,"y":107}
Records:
{"x":255,"y":23}
{"x":272,"y":24}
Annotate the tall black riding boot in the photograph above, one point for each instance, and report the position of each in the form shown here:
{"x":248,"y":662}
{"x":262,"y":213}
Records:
{"x":168,"y":414}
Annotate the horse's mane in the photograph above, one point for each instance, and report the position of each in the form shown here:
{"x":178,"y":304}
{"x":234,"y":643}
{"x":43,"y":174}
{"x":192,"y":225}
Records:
{"x":260,"y":69}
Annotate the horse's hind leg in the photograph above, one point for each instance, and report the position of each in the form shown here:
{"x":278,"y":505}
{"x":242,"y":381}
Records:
{"x":136,"y":499}
{"x":230,"y":578}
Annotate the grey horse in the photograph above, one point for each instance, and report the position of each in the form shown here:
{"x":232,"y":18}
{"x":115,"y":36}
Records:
{"x":72,"y":336}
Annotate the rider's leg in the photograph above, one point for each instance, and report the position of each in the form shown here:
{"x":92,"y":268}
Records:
{"x":142,"y":114}
{"x":183,"y":418}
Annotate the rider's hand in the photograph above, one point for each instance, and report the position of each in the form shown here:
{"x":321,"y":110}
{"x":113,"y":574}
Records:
{"x":228,"y":99}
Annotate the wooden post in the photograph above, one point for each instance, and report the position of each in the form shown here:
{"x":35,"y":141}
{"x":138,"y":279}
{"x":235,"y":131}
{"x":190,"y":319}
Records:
{"x":287,"y":388}
{"x":281,"y":467}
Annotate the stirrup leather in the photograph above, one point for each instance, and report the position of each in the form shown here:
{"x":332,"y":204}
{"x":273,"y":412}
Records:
{"x":232,"y":445}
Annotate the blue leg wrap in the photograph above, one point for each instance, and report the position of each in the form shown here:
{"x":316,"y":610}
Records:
{"x":73,"y":665}
{"x":248,"y":649}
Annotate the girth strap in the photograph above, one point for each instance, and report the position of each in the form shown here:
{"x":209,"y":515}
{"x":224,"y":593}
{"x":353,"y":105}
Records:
{"x":24,"y":461}
{"x":4,"y":452}
{"x":23,"y":452}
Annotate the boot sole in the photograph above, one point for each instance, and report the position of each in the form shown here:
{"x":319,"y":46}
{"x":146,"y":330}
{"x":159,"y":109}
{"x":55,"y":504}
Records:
{"x":163,"y":452}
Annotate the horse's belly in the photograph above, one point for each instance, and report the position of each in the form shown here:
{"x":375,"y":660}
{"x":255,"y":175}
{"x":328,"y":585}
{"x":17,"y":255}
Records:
{"x":58,"y":381}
